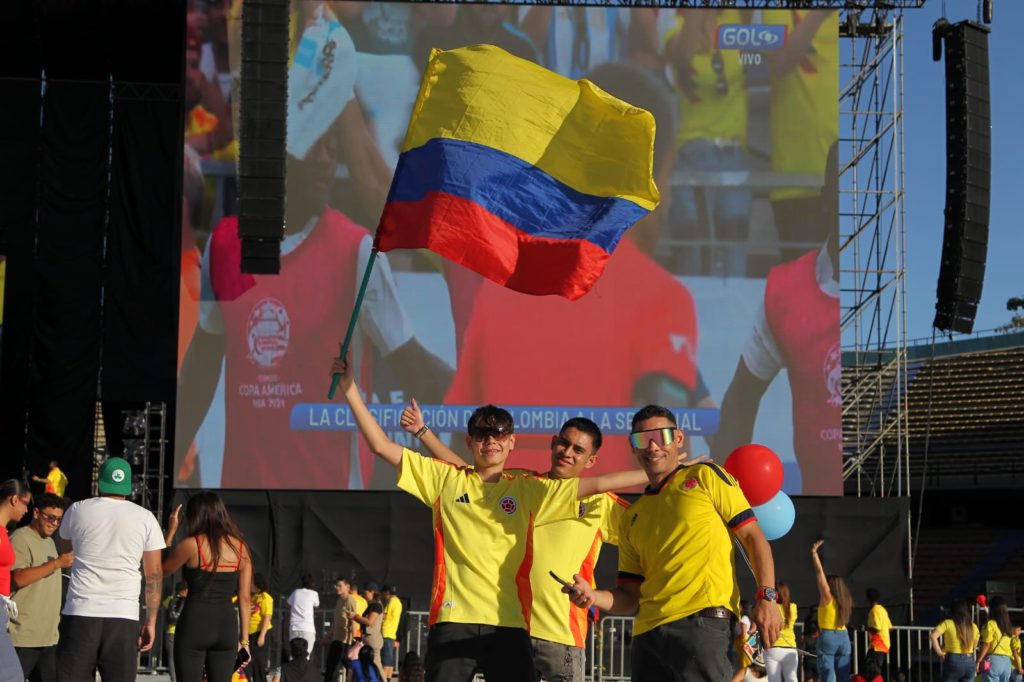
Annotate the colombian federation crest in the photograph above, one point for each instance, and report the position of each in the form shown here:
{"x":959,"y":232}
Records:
{"x":508,"y":505}
{"x":268,"y":332}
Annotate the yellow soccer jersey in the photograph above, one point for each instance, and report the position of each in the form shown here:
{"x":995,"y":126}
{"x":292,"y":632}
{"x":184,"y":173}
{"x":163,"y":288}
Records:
{"x":951,"y":643}
{"x":805,"y":102}
{"x":56,"y":482}
{"x":828,"y":616}
{"x":713,"y":94}
{"x":569,"y":547}
{"x":392,"y":614}
{"x":361,"y":606}
{"x":675,"y":542}
{"x":999,"y":643}
{"x":878,"y":619}
{"x":787,"y":637}
{"x":483,"y":537}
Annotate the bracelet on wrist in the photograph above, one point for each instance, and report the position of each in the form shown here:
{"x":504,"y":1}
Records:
{"x":244,"y":642}
{"x":423,"y":429}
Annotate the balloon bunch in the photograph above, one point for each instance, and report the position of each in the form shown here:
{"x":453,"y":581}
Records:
{"x":759,"y":472}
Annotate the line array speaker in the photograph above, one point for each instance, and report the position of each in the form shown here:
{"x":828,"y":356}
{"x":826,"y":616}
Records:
{"x":262,"y":134}
{"x":968,"y":175}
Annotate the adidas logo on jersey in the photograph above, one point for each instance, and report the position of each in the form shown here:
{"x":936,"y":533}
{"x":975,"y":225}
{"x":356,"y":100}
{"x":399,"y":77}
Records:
{"x":464,"y":498}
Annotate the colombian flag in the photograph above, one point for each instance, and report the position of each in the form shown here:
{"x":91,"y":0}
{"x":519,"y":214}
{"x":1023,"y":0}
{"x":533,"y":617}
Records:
{"x":517,"y":173}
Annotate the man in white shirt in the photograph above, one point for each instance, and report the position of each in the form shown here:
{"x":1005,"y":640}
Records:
{"x":303,"y":603}
{"x":111,"y":538}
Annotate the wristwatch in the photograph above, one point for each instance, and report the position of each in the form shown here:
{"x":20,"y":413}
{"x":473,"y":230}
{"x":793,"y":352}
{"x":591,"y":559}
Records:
{"x":767,"y":594}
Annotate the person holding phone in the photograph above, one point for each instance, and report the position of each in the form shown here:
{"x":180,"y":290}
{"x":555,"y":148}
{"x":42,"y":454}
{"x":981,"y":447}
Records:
{"x":677,"y":567}
{"x":216,"y":564}
{"x":483,"y":524}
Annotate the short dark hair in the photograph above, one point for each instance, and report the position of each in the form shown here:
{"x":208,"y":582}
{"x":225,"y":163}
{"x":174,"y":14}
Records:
{"x":261,"y":582}
{"x":297,"y":648}
{"x":874,"y":596}
{"x":493,"y":417}
{"x":49,"y":500}
{"x":586,"y":426}
{"x":308,"y":582}
{"x":180,"y":585}
{"x":650,"y":412}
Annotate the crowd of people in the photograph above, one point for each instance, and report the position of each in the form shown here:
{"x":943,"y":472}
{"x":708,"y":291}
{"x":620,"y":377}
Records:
{"x":499,"y":605}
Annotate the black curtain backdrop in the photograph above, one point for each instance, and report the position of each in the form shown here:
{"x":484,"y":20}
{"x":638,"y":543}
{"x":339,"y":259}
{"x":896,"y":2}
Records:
{"x":387,"y":537}
{"x":91,"y":191}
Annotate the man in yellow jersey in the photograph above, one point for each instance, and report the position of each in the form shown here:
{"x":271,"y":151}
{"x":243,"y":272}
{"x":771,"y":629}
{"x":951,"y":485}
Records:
{"x":361,"y":606}
{"x":677,"y":562}
{"x":389,"y":627}
{"x":483,"y":523}
{"x":879,"y":626}
{"x":56,"y":482}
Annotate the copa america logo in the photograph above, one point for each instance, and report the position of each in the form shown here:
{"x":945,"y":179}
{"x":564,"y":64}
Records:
{"x":268,"y":332}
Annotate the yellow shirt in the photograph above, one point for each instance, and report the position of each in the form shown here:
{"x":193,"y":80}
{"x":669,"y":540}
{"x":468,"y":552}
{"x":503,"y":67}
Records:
{"x":805,"y":103}
{"x":56,"y":482}
{"x":262,"y":604}
{"x":951,"y":643}
{"x":878,"y":619}
{"x":392,"y":613}
{"x":569,"y":547}
{"x":361,"y":606}
{"x":828,"y":616}
{"x":787,"y":638}
{"x":706,"y":113}
{"x":675,"y":542}
{"x":483,"y":537}
{"x":1000,"y":644}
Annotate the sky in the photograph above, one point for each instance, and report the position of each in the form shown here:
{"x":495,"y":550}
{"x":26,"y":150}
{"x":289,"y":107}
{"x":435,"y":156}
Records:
{"x":925,"y":131}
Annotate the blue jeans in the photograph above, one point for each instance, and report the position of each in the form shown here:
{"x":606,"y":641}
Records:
{"x":1000,"y":670}
{"x":695,"y":209}
{"x":834,"y":656}
{"x":958,"y":668}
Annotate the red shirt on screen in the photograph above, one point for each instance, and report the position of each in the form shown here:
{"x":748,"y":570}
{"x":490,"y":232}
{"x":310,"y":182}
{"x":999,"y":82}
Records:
{"x":804,"y":322}
{"x":545,"y":350}
{"x":277,"y":331}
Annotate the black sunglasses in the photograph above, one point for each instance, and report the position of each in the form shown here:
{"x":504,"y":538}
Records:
{"x":482,"y":433}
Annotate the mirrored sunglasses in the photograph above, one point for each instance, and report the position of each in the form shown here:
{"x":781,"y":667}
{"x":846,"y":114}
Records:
{"x":638,"y":440}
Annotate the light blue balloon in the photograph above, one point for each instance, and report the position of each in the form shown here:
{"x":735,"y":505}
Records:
{"x":776,"y":516}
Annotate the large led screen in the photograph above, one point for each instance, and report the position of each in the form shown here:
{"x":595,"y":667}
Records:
{"x":722,"y":304}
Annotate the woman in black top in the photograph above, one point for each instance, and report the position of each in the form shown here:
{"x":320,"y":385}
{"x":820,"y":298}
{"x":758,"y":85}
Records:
{"x":215,"y":562}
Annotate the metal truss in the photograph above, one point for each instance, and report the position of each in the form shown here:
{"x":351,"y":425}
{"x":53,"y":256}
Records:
{"x":872,"y":254}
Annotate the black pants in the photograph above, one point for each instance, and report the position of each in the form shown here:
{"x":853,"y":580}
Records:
{"x":206,"y":636}
{"x":256,"y":671}
{"x":41,"y":659}
{"x":691,"y":649}
{"x":879,"y":657}
{"x":87,"y":643}
{"x":335,"y":655}
{"x":457,"y":651}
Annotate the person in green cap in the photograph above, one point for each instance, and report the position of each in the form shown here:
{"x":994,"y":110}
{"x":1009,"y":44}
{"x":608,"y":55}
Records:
{"x":111,"y":537}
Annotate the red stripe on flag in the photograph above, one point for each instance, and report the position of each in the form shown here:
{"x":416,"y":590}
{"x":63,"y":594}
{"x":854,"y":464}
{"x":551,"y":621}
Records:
{"x":463,"y":232}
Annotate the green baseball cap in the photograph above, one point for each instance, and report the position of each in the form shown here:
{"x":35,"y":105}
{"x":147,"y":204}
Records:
{"x":116,"y":477}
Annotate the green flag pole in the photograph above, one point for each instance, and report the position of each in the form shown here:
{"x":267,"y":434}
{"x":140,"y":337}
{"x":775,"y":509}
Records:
{"x":352,"y":322}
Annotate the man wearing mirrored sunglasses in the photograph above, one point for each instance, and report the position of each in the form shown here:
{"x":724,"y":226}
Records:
{"x":677,"y":566}
{"x":37,"y":587}
{"x":483,"y":522}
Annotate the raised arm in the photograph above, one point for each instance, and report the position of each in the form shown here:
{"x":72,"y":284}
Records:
{"x":618,"y":480}
{"x":823,"y":589}
{"x":412,"y":421}
{"x":380,"y":444}
{"x":178,"y":555}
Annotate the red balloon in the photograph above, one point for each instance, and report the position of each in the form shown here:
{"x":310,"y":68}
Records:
{"x":758,"y":470}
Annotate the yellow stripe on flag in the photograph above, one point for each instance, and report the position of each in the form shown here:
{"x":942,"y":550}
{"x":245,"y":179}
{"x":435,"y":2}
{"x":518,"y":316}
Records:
{"x":572,"y":130}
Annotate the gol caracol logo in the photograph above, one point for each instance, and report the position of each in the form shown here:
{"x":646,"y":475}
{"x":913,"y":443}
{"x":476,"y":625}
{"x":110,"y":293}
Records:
{"x":690,"y":483}
{"x":268,"y":332}
{"x":117,"y":476}
{"x":751,"y":37}
{"x":508,"y":505}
